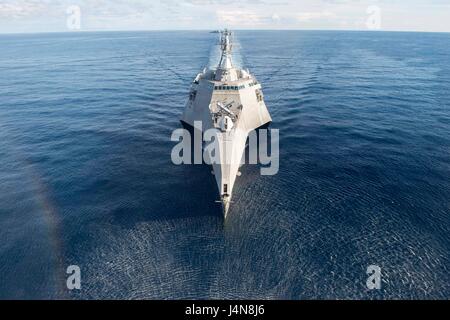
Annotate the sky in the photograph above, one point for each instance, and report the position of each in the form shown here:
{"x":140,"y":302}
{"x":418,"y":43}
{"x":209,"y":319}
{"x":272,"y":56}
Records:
{"x":23,"y":16}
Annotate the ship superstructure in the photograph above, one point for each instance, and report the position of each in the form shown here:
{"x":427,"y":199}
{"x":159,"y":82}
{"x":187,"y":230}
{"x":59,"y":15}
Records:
{"x":230,"y":101}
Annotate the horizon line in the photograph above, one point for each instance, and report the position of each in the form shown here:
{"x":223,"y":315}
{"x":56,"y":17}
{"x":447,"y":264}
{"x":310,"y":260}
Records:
{"x":212,"y":30}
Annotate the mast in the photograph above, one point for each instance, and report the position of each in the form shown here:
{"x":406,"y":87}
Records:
{"x":225,"y":69}
{"x":227,"y":47}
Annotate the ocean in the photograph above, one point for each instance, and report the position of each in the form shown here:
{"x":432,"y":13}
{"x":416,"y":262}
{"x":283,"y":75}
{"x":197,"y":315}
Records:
{"x":86,"y":176}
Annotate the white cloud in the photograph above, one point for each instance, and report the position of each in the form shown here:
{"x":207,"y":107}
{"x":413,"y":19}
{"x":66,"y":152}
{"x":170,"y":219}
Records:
{"x":20,"y":9}
{"x":276,"y":17}
{"x":308,"y":16}
{"x":239,"y":18}
{"x":50,"y":15}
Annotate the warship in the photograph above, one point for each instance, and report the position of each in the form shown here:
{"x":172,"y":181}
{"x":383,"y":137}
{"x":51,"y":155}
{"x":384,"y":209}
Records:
{"x":229,"y":100}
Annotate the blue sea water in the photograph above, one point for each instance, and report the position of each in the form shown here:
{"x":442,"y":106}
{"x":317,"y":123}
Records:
{"x":86,"y":177}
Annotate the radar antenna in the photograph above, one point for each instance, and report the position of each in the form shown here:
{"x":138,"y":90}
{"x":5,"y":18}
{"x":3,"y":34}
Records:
{"x":225,"y":42}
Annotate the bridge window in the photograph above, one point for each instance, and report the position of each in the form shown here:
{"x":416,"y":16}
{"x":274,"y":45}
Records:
{"x":229,"y":88}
